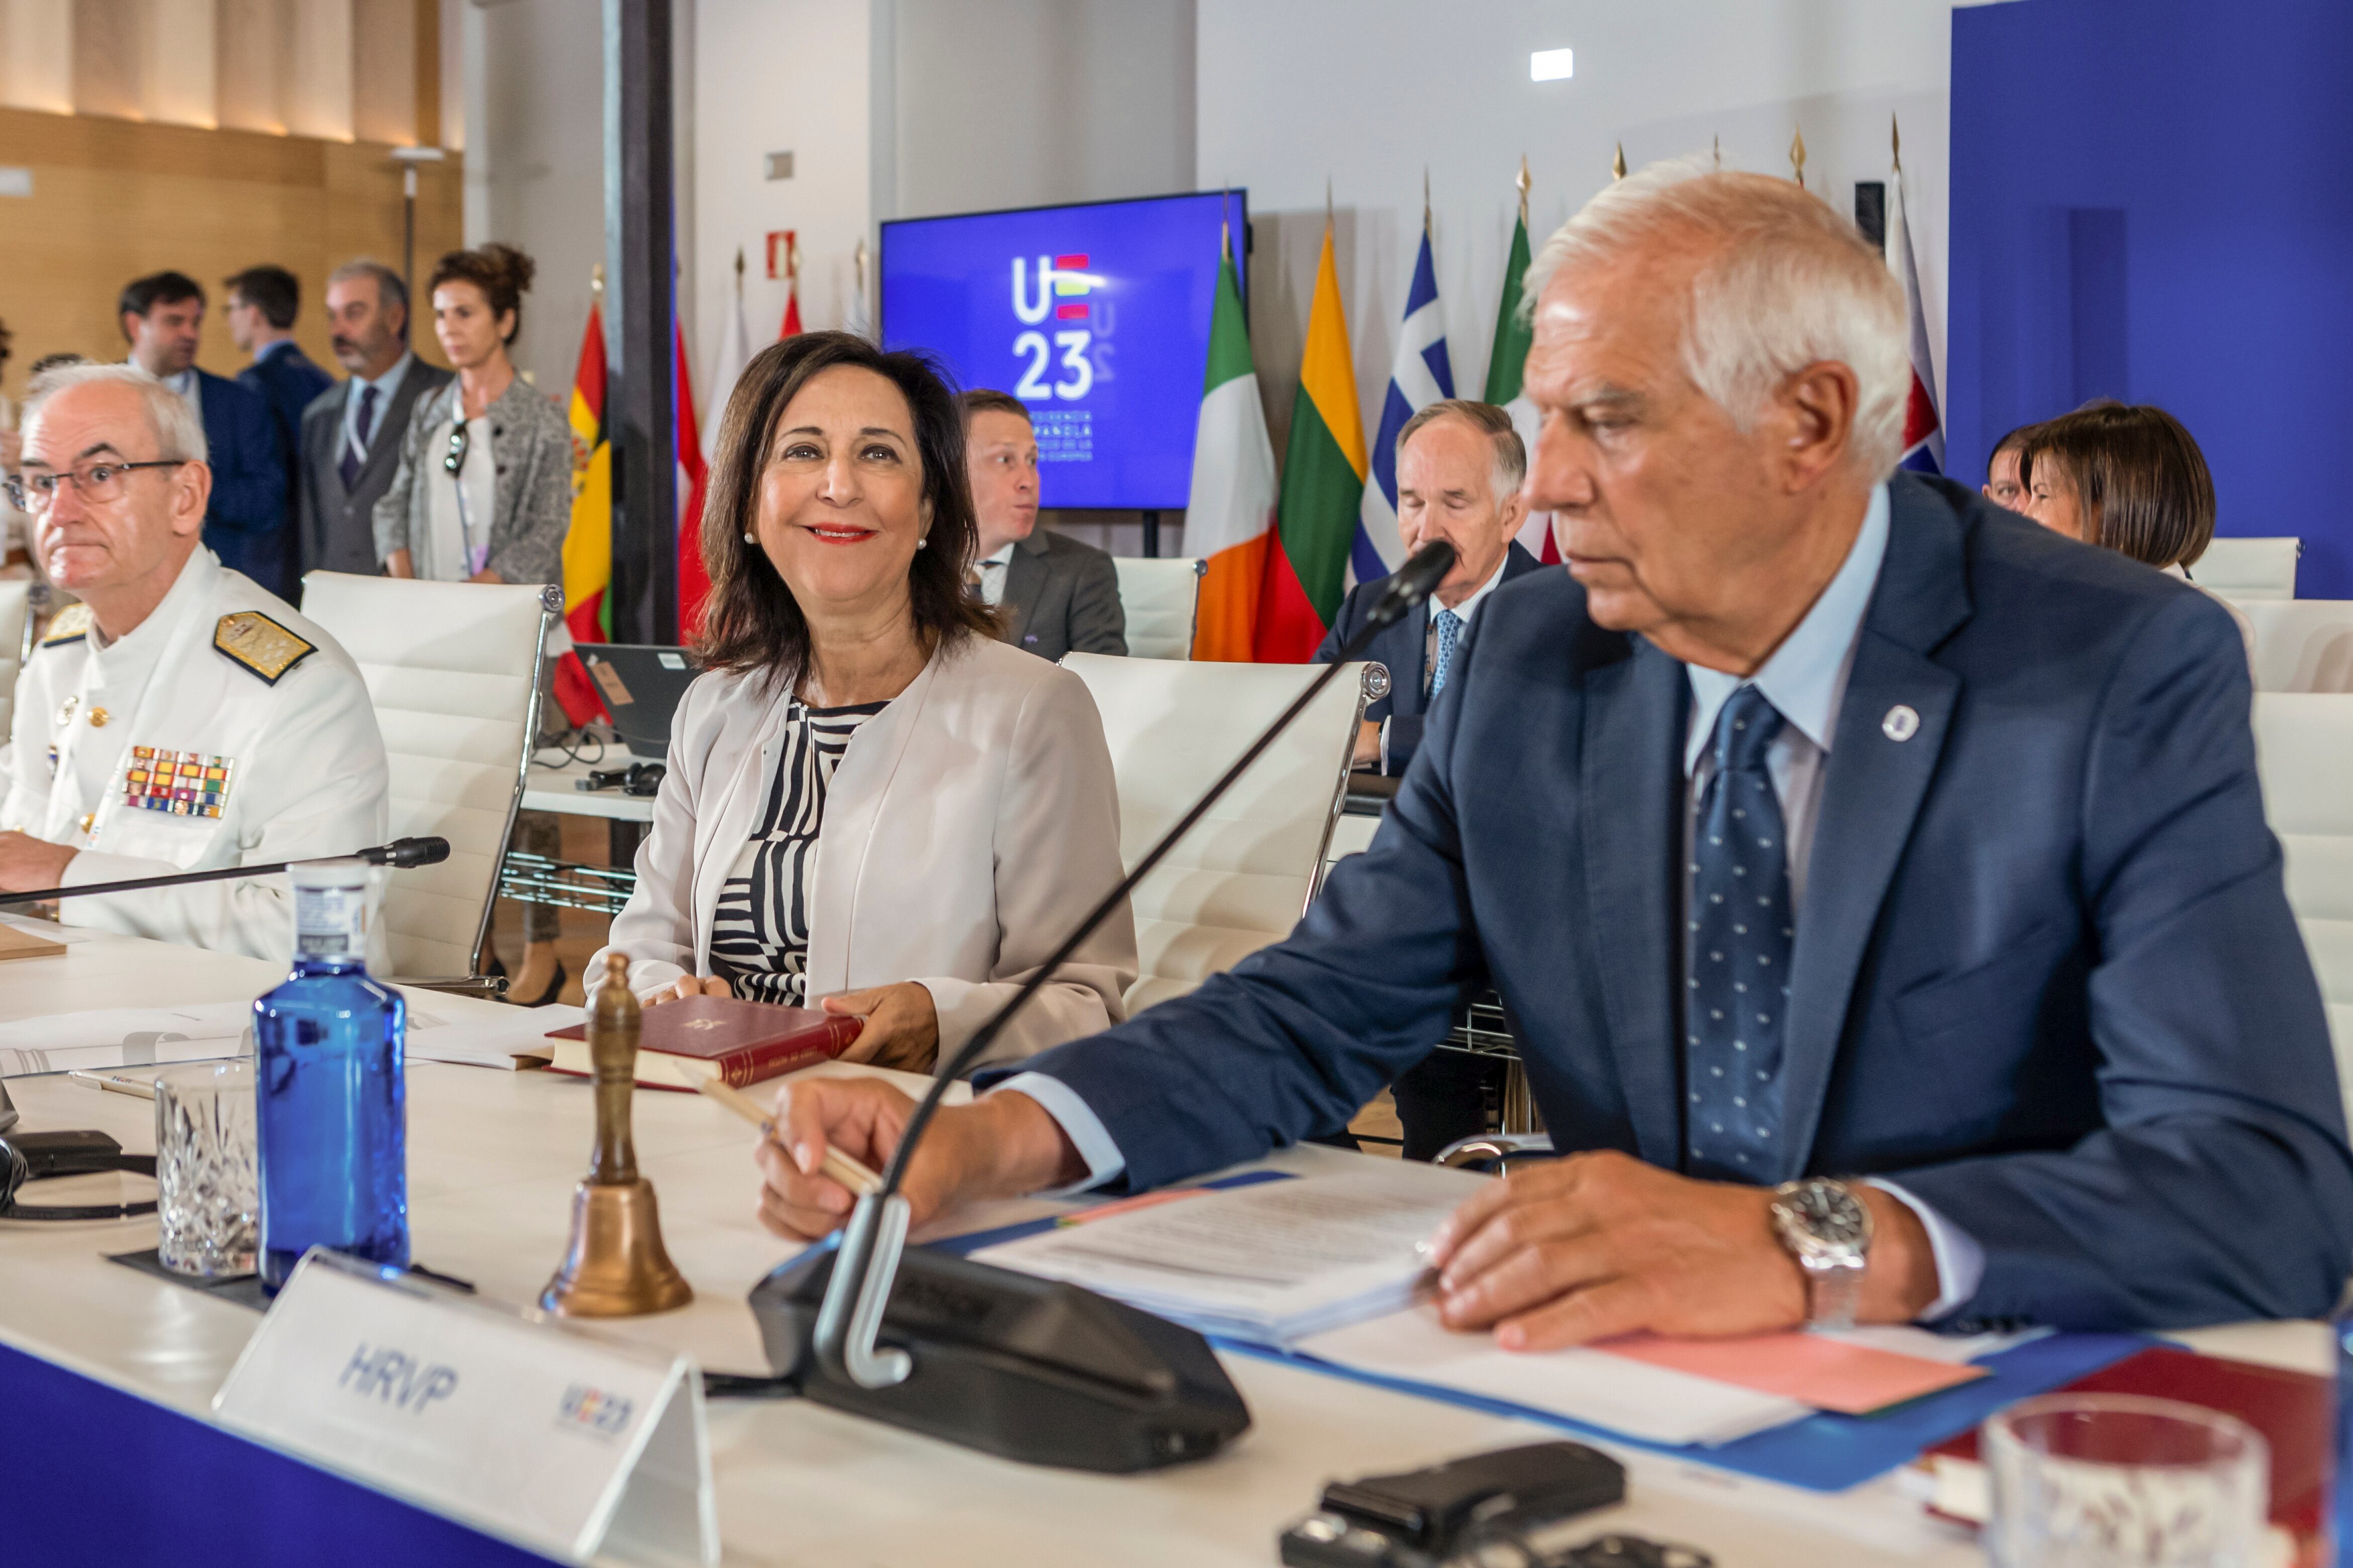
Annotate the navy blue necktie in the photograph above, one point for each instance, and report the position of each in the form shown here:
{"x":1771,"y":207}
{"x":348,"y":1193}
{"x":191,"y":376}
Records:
{"x":354,"y":450}
{"x":1739,"y":931}
{"x":1450,"y":632}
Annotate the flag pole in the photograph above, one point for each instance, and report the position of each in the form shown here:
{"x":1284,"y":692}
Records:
{"x":1618,"y":164}
{"x":1522,"y":182}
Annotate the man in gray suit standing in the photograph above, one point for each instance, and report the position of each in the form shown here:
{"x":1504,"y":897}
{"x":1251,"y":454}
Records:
{"x":352,"y":432}
{"x":1056,"y":594}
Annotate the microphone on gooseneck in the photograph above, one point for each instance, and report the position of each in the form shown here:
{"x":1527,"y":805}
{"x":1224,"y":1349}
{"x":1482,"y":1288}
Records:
{"x":1047,"y":1373}
{"x":400,"y":854}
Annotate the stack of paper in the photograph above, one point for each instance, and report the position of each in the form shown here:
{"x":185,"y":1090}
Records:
{"x":506,"y":1039}
{"x":1268,"y":1263}
{"x":123,"y":1037}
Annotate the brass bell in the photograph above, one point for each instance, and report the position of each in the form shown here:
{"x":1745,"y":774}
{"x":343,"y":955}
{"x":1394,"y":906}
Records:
{"x":616,"y":1266}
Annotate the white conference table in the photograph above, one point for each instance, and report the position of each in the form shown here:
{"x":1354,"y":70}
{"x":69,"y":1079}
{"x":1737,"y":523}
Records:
{"x":493,"y":1157}
{"x":556,"y":790}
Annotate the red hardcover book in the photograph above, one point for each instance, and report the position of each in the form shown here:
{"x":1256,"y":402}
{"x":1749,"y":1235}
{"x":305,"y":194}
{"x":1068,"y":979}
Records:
{"x":737,"y":1042}
{"x":2293,"y":1410}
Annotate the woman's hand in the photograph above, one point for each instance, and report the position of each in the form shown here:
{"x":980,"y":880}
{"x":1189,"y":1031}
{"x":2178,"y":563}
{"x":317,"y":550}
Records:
{"x":399,"y":564}
{"x":902,"y":1027}
{"x":686,"y":986}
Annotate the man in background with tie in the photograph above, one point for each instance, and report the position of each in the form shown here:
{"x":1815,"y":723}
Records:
{"x":1054,"y":595}
{"x":351,"y":433}
{"x":1459,"y":464}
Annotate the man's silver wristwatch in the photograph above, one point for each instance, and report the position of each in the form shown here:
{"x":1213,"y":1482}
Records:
{"x":1827,"y":1229}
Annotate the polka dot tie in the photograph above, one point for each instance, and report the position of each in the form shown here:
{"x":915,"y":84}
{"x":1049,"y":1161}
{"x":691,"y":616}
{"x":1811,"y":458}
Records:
{"x":1450,"y":630}
{"x":1739,"y":931}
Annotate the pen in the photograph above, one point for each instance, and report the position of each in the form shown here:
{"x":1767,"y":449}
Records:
{"x":115,"y":1083}
{"x":836,"y":1164}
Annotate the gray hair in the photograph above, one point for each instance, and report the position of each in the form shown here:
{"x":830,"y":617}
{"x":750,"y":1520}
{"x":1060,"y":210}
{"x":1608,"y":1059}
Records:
{"x":1791,"y":283}
{"x":390,"y":289}
{"x":1511,"y":453}
{"x":179,"y":432}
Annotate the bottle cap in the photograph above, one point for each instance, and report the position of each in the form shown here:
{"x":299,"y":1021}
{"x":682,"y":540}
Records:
{"x":346,"y":871}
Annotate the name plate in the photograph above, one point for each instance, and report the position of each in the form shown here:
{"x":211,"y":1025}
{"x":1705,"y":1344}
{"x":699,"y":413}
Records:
{"x":568,"y":1444}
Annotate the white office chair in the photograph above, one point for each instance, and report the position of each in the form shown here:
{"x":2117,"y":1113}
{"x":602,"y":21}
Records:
{"x":1159,"y":598}
{"x":2303,"y":749}
{"x":16,"y":643}
{"x":2302,"y":644}
{"x":2243,"y":568}
{"x":454,"y":669}
{"x":1241,"y":878}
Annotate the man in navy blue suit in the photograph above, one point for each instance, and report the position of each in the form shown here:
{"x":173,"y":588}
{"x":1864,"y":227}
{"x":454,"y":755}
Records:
{"x":1878,"y":884}
{"x":263,"y":302}
{"x":1459,"y":464}
{"x":163,"y":318}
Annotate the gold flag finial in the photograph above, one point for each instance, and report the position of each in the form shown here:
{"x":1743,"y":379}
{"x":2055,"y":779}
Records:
{"x":793,"y":257}
{"x":1327,"y":202}
{"x":739,"y":269}
{"x":1618,"y":164}
{"x":1896,"y":141}
{"x":596,"y":280}
{"x":1797,"y":156}
{"x":1425,"y":198}
{"x":857,"y":260}
{"x":1719,"y":151}
{"x":1522,"y":183}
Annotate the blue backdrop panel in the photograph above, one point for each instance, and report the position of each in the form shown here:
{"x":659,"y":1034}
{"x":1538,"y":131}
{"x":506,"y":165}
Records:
{"x":2152,"y":201}
{"x":93,"y":1477}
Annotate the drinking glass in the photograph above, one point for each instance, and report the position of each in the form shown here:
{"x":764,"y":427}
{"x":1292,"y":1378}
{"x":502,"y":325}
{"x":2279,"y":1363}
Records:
{"x":206,"y":1193}
{"x":2115,"y":1480}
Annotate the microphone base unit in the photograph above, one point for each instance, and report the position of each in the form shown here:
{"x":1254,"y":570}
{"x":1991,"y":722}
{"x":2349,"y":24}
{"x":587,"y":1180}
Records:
{"x":1026,"y":1369}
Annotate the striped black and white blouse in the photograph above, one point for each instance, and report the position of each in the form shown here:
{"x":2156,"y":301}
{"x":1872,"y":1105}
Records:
{"x":759,"y":933}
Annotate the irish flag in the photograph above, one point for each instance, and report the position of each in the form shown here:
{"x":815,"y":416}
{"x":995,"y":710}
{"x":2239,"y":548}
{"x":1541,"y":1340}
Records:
{"x":1505,"y":364}
{"x":1323,"y":486}
{"x":1229,"y":518}
{"x":588,"y":546}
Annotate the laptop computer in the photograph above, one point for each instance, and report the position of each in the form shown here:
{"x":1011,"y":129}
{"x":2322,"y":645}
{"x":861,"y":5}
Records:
{"x":640,"y":685}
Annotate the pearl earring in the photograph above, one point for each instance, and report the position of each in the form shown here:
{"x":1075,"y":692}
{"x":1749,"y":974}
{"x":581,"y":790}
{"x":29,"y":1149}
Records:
{"x":748,"y":539}
{"x":924,"y":543}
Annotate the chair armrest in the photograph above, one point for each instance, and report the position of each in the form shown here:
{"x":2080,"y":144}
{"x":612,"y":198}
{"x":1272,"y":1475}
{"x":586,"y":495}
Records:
{"x":489,"y":987}
{"x":1500,"y":1148}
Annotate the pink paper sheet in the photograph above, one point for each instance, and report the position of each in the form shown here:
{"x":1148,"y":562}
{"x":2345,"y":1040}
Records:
{"x":1853,"y":1380}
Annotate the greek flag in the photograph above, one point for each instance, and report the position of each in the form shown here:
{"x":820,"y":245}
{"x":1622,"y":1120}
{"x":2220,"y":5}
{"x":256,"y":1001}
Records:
{"x":1420,"y":376}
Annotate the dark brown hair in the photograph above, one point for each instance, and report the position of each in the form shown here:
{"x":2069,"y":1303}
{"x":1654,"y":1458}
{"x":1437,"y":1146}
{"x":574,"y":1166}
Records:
{"x":988,"y":400}
{"x":500,"y":271}
{"x":751,"y":623}
{"x":272,"y":290}
{"x":2014,"y":442}
{"x":2141,"y":480}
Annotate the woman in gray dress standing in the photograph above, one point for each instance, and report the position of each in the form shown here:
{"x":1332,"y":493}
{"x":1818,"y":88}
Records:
{"x":484,"y":495}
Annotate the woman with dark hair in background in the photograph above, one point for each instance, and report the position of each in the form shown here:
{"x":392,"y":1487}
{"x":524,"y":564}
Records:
{"x":483,"y":494}
{"x":2127,"y":477}
{"x":858,"y":714}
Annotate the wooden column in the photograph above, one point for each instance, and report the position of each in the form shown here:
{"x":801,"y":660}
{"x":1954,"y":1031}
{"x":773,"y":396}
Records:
{"x":639,"y":177}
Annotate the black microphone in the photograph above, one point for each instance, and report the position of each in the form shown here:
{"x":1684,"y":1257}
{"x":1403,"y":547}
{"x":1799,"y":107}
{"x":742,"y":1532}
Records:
{"x":1029,"y":1368}
{"x":401,"y":854}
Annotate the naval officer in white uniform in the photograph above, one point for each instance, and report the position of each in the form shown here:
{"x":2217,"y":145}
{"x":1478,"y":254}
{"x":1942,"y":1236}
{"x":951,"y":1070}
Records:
{"x":180,"y":717}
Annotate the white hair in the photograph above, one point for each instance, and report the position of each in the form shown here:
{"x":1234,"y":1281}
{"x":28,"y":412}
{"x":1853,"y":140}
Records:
{"x":179,"y":431}
{"x":1788,"y":283}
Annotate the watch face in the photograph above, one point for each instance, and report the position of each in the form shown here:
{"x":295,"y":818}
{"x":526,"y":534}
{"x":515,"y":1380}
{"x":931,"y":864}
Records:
{"x":1829,"y":1214}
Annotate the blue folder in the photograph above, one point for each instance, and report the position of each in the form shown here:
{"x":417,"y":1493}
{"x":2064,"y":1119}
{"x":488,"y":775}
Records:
{"x":1823,"y":1452}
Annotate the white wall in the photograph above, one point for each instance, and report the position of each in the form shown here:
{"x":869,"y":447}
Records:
{"x":1291,"y":94}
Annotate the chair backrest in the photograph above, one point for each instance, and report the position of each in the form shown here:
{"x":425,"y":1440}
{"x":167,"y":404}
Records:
{"x":454,"y":670}
{"x":1241,"y":878}
{"x":15,"y":621}
{"x":2303,"y":749}
{"x":2302,"y":644}
{"x":1158,"y":598}
{"x":2249,"y":568}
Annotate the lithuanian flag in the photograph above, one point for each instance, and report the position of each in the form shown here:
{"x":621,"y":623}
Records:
{"x":588,"y":546}
{"x":1229,"y":514}
{"x":1323,"y":486}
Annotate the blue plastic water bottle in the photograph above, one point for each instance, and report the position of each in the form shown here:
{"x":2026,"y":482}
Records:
{"x":330,"y":1112}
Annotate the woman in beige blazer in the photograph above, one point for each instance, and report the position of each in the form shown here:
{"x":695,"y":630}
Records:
{"x":871,"y":806}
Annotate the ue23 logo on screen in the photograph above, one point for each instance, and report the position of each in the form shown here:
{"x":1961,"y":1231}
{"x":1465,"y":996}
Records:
{"x":1061,"y":291}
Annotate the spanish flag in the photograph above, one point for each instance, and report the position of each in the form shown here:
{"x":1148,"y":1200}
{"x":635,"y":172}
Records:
{"x":1323,"y":486}
{"x":588,"y":546}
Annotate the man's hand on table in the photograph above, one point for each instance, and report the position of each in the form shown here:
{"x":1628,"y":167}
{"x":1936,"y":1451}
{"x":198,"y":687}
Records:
{"x":1000,"y":1146}
{"x":28,"y":863}
{"x":1595,"y":1246}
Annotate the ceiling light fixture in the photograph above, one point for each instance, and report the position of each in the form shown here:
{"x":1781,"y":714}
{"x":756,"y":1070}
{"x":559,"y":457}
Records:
{"x":1552,"y":65}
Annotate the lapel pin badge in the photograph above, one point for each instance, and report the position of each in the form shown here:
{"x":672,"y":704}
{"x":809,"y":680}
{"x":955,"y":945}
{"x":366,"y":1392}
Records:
{"x":1902,"y":723}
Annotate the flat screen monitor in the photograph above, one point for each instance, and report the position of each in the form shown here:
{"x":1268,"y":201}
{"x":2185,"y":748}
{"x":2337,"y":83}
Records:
{"x":1097,"y":317}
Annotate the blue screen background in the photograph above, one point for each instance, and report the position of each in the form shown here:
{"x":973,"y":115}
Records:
{"x":1109,"y":357}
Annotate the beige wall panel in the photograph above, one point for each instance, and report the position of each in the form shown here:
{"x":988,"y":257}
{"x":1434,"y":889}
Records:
{"x":384,"y":71}
{"x":315,"y":86}
{"x":252,"y":36}
{"x":109,"y":53}
{"x":176,"y":81}
{"x":37,"y":55}
{"x":113,"y":199}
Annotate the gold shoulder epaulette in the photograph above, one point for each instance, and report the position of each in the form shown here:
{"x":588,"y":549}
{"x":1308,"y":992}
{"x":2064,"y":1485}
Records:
{"x":69,"y":625}
{"x":260,"y":644}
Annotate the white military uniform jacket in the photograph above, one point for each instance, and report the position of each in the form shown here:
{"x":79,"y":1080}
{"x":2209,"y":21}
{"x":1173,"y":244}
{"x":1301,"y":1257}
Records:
{"x":224,"y":730}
